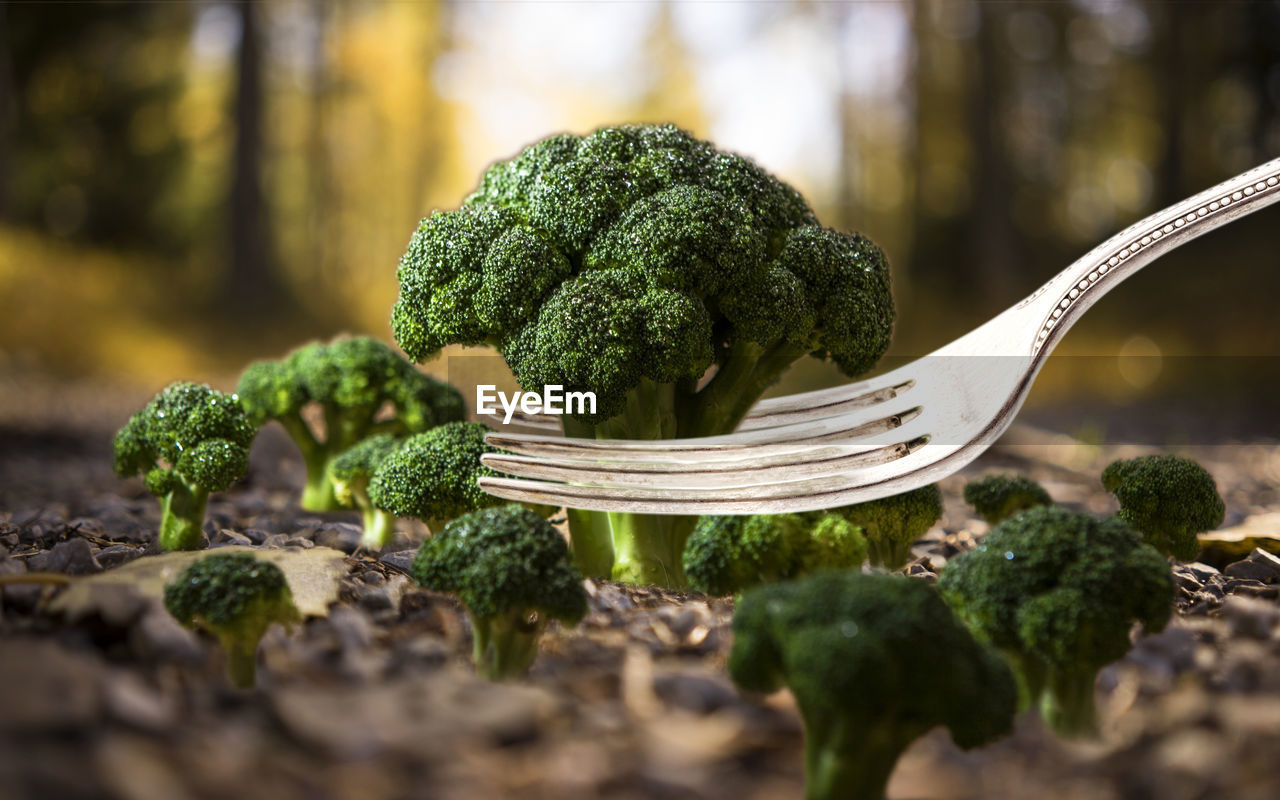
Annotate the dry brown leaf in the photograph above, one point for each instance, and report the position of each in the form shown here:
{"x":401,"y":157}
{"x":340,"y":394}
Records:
{"x":314,"y":577}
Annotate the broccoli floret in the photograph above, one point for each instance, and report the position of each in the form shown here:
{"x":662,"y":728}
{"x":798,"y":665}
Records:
{"x":998,"y":497}
{"x":892,"y":524}
{"x":874,"y":662}
{"x":235,"y":597}
{"x":432,"y":476}
{"x":1057,"y":592}
{"x":674,"y":281}
{"x":513,"y":572}
{"x":1168,"y":499}
{"x":188,"y":441}
{"x":725,"y":555}
{"x":350,"y":474}
{"x":352,"y":381}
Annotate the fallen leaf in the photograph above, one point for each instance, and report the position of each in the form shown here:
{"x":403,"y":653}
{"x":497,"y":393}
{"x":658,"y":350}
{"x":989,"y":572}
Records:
{"x":314,"y":577}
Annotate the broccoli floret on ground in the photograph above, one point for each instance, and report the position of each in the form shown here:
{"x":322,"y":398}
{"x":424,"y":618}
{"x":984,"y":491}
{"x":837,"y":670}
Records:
{"x":432,"y":476}
{"x":236,"y":597}
{"x":513,"y":572}
{"x":998,"y":497}
{"x":352,"y":381}
{"x":892,"y":524}
{"x":725,"y":555}
{"x":1168,"y":499}
{"x":674,"y":281}
{"x":1057,"y":592}
{"x":874,"y":662}
{"x":188,"y":441}
{"x":350,"y":474}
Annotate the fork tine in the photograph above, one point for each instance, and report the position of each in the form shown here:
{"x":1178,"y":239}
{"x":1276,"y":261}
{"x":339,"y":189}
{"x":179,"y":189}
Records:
{"x":825,"y":491}
{"x":822,"y":403}
{"x":843,"y":429}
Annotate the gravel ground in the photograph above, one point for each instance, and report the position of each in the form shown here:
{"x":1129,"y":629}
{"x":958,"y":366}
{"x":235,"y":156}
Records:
{"x":378,"y":699}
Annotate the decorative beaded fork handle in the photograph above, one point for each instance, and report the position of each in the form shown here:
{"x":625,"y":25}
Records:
{"x":873,"y":438}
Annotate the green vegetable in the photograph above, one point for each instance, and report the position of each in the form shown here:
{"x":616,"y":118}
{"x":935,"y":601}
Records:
{"x":1057,"y":592}
{"x":725,"y":555}
{"x":351,"y":380}
{"x":350,"y":474}
{"x":432,"y":476}
{"x":874,"y":662}
{"x":188,"y":441}
{"x":513,"y":572}
{"x":236,"y":597}
{"x":998,"y":497}
{"x":674,"y":281}
{"x":892,"y":524}
{"x":1168,"y":499}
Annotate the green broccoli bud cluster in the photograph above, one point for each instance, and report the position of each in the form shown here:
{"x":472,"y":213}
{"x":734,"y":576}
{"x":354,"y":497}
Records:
{"x":235,"y":597}
{"x":1168,"y":499}
{"x":352,"y":381}
{"x":675,"y":281}
{"x":998,"y":497}
{"x":1057,"y":592}
{"x":874,"y":662}
{"x":727,"y":554}
{"x":513,"y":572}
{"x":189,"y":441}
{"x":892,"y":524}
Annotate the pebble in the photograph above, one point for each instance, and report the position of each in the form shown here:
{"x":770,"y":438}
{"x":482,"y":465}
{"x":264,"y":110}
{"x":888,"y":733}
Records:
{"x":339,"y":535}
{"x":226,"y":536}
{"x":299,"y":542}
{"x":401,"y":559}
{"x":1259,"y":566}
{"x":255,"y":535}
{"x":1202,"y":572}
{"x":1250,"y":617}
{"x":74,"y":557}
{"x":1246,"y":587}
{"x":275,"y":541}
{"x":117,"y":554}
{"x":158,"y":636}
{"x":699,"y":694}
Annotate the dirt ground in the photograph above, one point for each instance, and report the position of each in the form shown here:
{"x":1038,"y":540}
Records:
{"x":378,"y":700}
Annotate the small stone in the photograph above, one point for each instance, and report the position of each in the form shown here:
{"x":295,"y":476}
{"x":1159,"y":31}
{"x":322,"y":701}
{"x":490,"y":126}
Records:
{"x":373,"y":578}
{"x":255,"y":535}
{"x":226,"y":536}
{"x":340,"y":536}
{"x":1259,"y":566}
{"x":158,"y":636}
{"x":134,"y":703}
{"x":352,"y":626}
{"x":275,"y":541}
{"x":1250,"y":617}
{"x":74,"y":557}
{"x":401,"y":559}
{"x":299,"y":542}
{"x":117,"y":554}
{"x":697,"y":693}
{"x":1202,"y":572}
{"x":1186,"y":580}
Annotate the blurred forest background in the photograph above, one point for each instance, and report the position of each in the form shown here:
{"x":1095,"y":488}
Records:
{"x":188,"y":185}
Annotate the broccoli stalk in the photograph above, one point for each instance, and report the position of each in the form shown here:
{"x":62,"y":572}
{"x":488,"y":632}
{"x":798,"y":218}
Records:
{"x":726,"y":555}
{"x":674,"y":281}
{"x":1168,"y":499}
{"x":892,"y":524}
{"x":513,"y":572}
{"x":873,"y":662}
{"x":189,"y":441}
{"x":352,"y":381}
{"x":236,"y":597}
{"x":351,"y":473}
{"x":1057,"y":592}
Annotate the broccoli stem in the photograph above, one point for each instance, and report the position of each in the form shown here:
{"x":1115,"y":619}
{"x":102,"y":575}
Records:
{"x":317,"y":492}
{"x":379,"y":525}
{"x":182,"y":518}
{"x":505,"y":646}
{"x":592,"y":536}
{"x":1067,"y":706}
{"x":888,"y":554}
{"x":851,"y":761}
{"x":242,"y":659}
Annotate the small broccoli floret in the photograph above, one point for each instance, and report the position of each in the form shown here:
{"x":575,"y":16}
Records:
{"x":1057,"y":592}
{"x":725,"y":555}
{"x":432,"y":476}
{"x":513,"y":572}
{"x":235,"y":597}
{"x":351,"y":473}
{"x":188,"y":441}
{"x":998,"y":497}
{"x":674,"y":281}
{"x":352,"y":381}
{"x":892,"y":524}
{"x":1168,"y":499}
{"x":874,"y":662}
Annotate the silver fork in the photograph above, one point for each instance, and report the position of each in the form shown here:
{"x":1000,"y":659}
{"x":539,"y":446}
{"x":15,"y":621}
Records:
{"x":873,"y":438}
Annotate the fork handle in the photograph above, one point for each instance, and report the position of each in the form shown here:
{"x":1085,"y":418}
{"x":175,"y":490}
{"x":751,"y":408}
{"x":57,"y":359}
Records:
{"x":1069,"y":293}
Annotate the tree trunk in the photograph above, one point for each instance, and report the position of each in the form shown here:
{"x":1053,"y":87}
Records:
{"x":992,"y":246}
{"x":7,"y":100}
